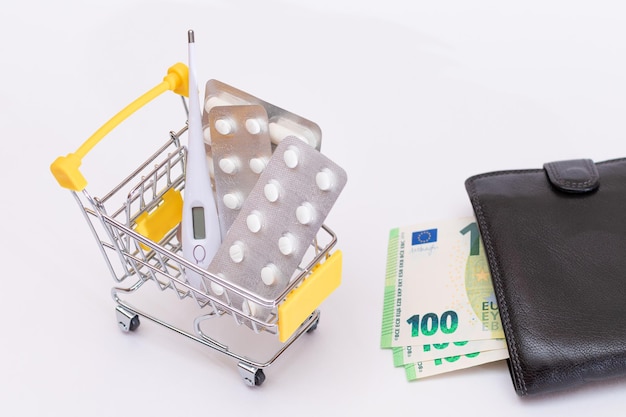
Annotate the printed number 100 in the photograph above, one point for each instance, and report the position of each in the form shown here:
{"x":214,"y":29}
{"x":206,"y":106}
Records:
{"x":430,"y":323}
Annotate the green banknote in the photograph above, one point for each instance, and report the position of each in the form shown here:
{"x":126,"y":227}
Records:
{"x":423,"y":369}
{"x":438,"y":286}
{"x":411,"y":354}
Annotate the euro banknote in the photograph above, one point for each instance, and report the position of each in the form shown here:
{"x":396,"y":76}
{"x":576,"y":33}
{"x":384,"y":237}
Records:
{"x":424,"y":369}
{"x":438,"y":286}
{"x":411,"y":354}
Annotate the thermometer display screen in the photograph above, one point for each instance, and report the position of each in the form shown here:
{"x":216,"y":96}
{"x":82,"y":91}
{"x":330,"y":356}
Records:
{"x":197,"y":216}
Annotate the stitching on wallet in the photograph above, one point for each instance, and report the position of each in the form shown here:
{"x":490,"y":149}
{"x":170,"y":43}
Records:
{"x":504,"y":312}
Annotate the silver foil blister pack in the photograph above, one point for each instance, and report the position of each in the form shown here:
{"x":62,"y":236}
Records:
{"x":241,"y":149}
{"x":278,"y":222}
{"x":282,"y":123}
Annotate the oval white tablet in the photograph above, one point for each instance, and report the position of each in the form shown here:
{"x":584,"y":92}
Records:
{"x":324,"y":179}
{"x":257,"y":165}
{"x":278,"y":131}
{"x":269,"y":274}
{"x":286,"y":244}
{"x":304,"y":213}
{"x":223,"y":126}
{"x":253,"y":126}
{"x":232,"y":201}
{"x":254,"y":222}
{"x":291,"y":157}
{"x":272,"y":191}
{"x":215,"y":101}
{"x":228,"y":165}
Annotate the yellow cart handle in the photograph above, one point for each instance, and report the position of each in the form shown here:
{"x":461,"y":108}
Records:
{"x":65,"y":168}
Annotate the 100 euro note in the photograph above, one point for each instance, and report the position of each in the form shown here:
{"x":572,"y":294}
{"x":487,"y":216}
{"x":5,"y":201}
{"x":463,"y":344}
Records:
{"x":414,"y":354}
{"x":438,"y":286}
{"x":425,"y":369}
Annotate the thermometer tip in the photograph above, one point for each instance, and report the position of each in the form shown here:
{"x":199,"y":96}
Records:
{"x":190,"y":36}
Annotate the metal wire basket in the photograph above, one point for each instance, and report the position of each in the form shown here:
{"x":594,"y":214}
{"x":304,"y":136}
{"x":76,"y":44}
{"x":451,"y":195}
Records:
{"x":136,"y":226}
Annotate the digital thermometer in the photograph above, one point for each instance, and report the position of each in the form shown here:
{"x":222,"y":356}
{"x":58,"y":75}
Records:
{"x":201,"y":236}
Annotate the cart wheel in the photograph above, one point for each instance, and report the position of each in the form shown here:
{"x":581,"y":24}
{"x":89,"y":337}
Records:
{"x":252,"y":376}
{"x":134,"y":323}
{"x":127,"y":320}
{"x":314,"y":325}
{"x":259,"y":377}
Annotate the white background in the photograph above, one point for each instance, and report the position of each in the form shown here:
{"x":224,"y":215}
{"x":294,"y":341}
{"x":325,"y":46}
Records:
{"x":412,"y":97}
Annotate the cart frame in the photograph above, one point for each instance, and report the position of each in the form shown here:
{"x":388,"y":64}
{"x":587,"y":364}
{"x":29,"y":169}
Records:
{"x":134,"y":258}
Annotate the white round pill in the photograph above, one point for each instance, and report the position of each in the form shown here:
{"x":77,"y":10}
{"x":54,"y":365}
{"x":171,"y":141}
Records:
{"x":254,"y":221}
{"x":286,"y":244}
{"x":208,"y":105}
{"x":304,"y":213}
{"x":217,"y":288}
{"x":237,"y":252}
{"x":277,"y":132}
{"x":209,"y":162}
{"x":232,"y":201}
{"x":249,"y":308}
{"x":291,"y":157}
{"x":223,"y":126}
{"x":324,"y":179}
{"x":257,"y":165}
{"x":269,"y":274}
{"x":228,"y":165}
{"x":207,"y":134}
{"x":213,"y":101}
{"x":253,"y":126}
{"x":272,"y":191}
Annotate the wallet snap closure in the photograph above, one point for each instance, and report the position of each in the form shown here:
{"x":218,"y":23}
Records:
{"x":573,"y":176}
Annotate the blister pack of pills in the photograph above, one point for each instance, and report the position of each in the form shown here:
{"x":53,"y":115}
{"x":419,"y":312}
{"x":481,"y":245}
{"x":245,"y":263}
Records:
{"x":282,"y":123}
{"x":278,"y":222}
{"x":241,"y":149}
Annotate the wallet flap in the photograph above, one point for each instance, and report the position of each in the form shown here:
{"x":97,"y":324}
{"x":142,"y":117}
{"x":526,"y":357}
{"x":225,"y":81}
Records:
{"x":573,"y":176}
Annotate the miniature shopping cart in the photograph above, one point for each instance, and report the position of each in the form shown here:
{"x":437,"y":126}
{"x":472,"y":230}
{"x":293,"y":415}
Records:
{"x":136,"y":226}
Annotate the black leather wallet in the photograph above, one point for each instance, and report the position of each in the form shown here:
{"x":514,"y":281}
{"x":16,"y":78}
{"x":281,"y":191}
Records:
{"x":555,"y":239}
